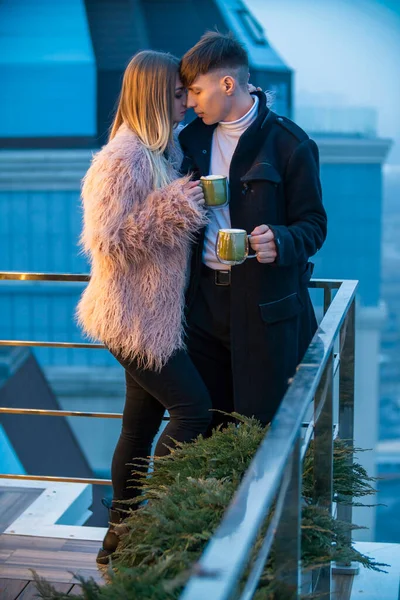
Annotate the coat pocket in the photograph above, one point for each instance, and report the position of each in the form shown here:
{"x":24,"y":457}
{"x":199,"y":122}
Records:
{"x":262,"y":172}
{"x":281,"y":310}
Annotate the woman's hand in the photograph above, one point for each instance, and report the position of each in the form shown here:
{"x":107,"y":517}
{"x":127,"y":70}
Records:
{"x":253,"y":89}
{"x":194,"y":191}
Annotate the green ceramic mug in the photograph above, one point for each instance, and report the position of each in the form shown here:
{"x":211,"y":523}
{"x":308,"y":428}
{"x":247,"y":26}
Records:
{"x":215,"y":189}
{"x":232,"y":246}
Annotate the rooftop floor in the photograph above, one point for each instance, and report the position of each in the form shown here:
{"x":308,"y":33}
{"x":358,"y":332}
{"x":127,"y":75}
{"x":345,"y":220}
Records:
{"x":60,"y":559}
{"x":54,"y":559}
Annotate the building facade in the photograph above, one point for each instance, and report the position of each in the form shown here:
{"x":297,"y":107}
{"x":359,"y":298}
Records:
{"x":72,"y":78}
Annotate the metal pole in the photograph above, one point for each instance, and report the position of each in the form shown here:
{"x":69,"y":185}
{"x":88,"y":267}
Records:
{"x":323,"y":460}
{"x":327,"y":298}
{"x":346,"y":394}
{"x":346,"y":410}
{"x":288,"y":535}
{"x":58,"y":479}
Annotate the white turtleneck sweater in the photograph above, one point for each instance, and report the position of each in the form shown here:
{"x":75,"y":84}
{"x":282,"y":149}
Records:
{"x":225,"y":139}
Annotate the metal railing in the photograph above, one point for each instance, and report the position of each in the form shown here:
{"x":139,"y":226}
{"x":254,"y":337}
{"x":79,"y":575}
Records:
{"x":59,"y":277}
{"x":273,"y":478}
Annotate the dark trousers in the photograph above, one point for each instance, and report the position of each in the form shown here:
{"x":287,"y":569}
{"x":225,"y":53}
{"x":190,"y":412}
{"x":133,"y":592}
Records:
{"x":209,"y":342}
{"x":177,"y":388}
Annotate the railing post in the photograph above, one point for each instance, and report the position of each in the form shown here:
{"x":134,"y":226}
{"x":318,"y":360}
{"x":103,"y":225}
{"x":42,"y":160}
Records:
{"x":288,"y":535}
{"x":346,"y":408}
{"x":323,"y":460}
{"x":327,"y":298}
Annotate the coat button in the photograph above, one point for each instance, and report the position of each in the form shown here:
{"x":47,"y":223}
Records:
{"x":279,"y":119}
{"x":204,"y":151}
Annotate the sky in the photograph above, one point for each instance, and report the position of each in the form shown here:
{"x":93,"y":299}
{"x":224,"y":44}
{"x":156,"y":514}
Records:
{"x":343,"y":52}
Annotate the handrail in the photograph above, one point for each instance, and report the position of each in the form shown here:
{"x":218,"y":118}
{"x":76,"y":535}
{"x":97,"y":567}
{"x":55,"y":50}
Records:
{"x":23,"y":276}
{"x":274,"y":475}
{"x":85,"y":277}
{"x":60,"y":277}
{"x":222,"y":564}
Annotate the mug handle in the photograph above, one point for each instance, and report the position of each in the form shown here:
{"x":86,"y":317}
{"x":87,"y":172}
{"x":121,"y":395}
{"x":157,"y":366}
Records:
{"x":250,"y":255}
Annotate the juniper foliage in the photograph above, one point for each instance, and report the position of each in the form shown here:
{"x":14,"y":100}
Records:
{"x":183,"y":501}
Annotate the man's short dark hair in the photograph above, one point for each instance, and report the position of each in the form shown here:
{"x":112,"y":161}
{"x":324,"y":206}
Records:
{"x":214,"y":51}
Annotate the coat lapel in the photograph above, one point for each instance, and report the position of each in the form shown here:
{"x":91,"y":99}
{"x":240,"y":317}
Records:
{"x":249,"y":143}
{"x":202,"y":147}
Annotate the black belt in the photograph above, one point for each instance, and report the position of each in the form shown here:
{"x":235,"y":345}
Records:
{"x":219,"y":277}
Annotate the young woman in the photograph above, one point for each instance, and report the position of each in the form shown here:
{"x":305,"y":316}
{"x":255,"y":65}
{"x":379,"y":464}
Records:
{"x":139,"y":220}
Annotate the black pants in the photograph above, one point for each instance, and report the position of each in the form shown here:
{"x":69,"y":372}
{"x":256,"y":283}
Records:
{"x":209,"y":342}
{"x":179,"y":389}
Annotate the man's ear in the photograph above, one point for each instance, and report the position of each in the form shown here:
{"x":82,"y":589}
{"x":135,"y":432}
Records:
{"x":228,"y":85}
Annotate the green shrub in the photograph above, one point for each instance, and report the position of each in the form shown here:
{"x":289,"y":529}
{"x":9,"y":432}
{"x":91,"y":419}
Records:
{"x":183,"y":502}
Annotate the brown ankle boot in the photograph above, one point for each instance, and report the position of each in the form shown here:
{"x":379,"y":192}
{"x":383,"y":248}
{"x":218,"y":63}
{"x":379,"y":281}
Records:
{"x":111,"y":539}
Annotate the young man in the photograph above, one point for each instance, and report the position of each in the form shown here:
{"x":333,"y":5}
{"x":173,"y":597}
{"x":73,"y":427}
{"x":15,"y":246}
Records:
{"x":249,"y":326}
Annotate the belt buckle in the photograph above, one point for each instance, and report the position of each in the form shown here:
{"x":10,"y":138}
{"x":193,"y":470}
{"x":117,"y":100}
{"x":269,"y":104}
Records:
{"x":222,"y":278}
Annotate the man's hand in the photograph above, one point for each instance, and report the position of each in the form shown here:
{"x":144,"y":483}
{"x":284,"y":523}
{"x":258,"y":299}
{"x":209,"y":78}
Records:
{"x":263,"y":243}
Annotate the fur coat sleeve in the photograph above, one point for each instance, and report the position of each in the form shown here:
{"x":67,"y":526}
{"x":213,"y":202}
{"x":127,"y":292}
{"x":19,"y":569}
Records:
{"x":123,"y":218}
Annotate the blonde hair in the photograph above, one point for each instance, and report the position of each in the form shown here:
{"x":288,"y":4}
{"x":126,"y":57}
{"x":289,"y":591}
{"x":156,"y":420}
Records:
{"x":146,"y":106}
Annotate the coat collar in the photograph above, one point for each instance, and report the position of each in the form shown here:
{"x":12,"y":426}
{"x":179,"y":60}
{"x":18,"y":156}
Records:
{"x":197,"y":137}
{"x":251,"y":141}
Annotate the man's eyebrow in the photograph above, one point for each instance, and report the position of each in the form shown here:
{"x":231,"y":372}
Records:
{"x":193,"y":87}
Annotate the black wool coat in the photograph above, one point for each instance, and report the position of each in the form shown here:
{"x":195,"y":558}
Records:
{"x":274,"y":180}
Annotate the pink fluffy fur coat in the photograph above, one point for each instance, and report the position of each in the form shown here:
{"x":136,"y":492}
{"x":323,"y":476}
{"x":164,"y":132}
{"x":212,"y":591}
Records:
{"x":138,"y":243}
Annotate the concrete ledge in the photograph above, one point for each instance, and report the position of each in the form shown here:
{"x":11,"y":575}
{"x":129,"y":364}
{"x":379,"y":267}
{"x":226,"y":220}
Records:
{"x":44,"y":170}
{"x":342,"y":150}
{"x":371,"y":585}
{"x":49,"y":514}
